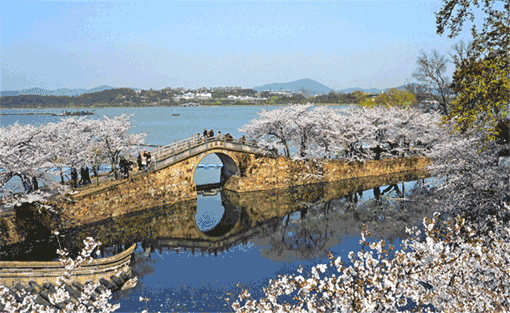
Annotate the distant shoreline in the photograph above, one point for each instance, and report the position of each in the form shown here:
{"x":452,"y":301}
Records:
{"x":145,"y":107}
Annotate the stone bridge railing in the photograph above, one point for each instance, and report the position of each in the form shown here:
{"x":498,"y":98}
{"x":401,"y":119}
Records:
{"x":14,"y":272}
{"x":183,"y":149}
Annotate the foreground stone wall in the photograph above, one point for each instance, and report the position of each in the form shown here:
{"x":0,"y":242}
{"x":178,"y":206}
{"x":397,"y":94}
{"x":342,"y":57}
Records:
{"x":265,"y":173}
{"x":19,"y":272}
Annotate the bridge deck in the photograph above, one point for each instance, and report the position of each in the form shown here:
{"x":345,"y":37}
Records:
{"x":186,"y":148}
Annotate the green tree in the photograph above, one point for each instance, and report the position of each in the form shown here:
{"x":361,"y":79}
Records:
{"x":359,"y":95}
{"x":392,"y":97}
{"x":483,"y":92}
{"x":332,"y":98}
{"x":455,"y":12}
{"x":482,"y":76}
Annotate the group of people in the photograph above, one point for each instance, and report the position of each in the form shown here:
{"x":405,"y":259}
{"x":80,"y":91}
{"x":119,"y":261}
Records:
{"x":210,"y":134}
{"x":206,"y":134}
{"x":125,"y":166}
{"x":143,"y":161}
{"x":30,"y":185}
{"x":84,"y":174}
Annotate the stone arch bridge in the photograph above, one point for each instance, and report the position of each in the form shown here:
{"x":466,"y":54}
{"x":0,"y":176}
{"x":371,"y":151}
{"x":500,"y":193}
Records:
{"x":245,"y":215}
{"x":234,"y":155}
{"x":246,"y":167}
{"x":169,"y":179}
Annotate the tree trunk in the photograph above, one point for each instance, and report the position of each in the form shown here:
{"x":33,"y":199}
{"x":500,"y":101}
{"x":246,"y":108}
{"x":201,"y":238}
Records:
{"x":302,"y":149}
{"x":287,"y":152}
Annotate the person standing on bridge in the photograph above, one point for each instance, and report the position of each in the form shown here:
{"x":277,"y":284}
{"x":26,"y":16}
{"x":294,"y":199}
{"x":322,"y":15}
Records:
{"x":144,"y":161}
{"x":82,"y":175}
{"x":124,"y":167}
{"x":243,"y":139}
{"x":87,"y":176}
{"x":131,"y":162}
{"x":211,"y":133}
{"x":205,"y":133}
{"x":26,"y":184}
{"x":74,"y":178}
{"x":198,"y":138}
{"x":35,"y":184}
{"x":219,"y":134}
{"x":147,"y":156}
{"x":139,"y":161}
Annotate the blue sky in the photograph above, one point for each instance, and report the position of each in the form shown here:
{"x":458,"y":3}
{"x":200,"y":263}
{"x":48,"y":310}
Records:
{"x":191,"y":44}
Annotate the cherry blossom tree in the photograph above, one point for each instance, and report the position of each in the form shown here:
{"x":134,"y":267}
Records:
{"x":398,"y":130}
{"x":314,"y":133}
{"x":28,"y":151}
{"x":274,"y":129}
{"x":69,"y":142}
{"x":472,"y":179}
{"x":354,"y":133}
{"x":433,"y":269}
{"x":22,"y":155}
{"x":113,"y":134}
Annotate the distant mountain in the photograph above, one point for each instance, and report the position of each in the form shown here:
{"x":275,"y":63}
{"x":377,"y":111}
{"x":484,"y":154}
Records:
{"x":316,"y":88}
{"x":35,"y":91}
{"x":303,"y":84}
{"x":58,"y":92}
{"x":69,"y":92}
{"x":100,"y":88}
{"x":373,"y":90}
{"x":404,"y":87}
{"x":10,"y":93}
{"x":369,"y":90}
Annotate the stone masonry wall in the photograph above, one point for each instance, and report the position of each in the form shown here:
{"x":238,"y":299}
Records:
{"x":171,"y":184}
{"x":262,"y":205}
{"x":175,"y":183}
{"x":264,"y":173}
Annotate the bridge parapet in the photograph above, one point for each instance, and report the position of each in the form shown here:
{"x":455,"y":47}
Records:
{"x":186,"y":148}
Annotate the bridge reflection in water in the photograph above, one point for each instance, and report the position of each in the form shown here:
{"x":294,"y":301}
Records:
{"x":264,"y":216}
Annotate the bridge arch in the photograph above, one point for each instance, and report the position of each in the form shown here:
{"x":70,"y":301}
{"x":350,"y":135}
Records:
{"x":230,"y":164}
{"x":235,"y":219}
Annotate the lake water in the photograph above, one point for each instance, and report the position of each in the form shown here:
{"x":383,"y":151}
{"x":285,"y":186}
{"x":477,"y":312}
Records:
{"x":307,"y":225}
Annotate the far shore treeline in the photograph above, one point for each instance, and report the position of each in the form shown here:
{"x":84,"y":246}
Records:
{"x":127,"y":97}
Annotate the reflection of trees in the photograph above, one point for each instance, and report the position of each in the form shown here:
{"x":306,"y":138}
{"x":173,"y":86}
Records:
{"x":142,"y":261}
{"x":316,"y":227}
{"x":301,"y":222}
{"x":301,"y":235}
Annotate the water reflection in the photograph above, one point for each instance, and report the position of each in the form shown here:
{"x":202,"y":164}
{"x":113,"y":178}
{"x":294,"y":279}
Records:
{"x":311,"y":232}
{"x":250,"y":238}
{"x":298,"y":223}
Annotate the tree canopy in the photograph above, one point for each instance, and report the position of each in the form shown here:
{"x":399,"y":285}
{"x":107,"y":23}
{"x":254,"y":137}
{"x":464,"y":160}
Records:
{"x":353,"y":133}
{"x":28,"y":152}
{"x":431,"y":72}
{"x":392,"y":97}
{"x":482,"y":77}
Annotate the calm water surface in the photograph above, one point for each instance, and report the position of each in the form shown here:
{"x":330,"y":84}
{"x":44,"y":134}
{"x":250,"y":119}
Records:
{"x":304,"y":224}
